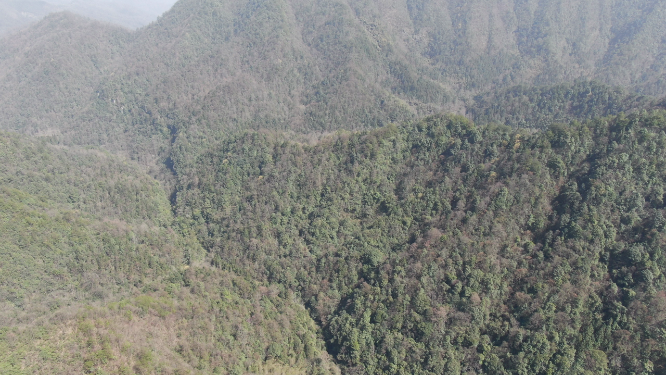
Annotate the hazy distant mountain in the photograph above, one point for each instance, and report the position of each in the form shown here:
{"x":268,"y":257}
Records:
{"x":295,"y":64}
{"x":15,"y":14}
{"x":133,"y":14}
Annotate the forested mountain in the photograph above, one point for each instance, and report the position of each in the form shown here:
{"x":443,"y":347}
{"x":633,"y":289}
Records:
{"x":273,"y":186}
{"x":16,"y":14}
{"x":440,"y":247}
{"x":430,"y":247}
{"x":541,"y":106}
{"x":213,"y":65}
{"x":97,"y":274}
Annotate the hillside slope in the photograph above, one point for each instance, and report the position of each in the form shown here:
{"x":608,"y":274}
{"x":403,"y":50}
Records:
{"x":440,"y":247}
{"x":541,"y":106}
{"x":97,"y":275}
{"x":176,"y":202}
{"x":213,"y":66}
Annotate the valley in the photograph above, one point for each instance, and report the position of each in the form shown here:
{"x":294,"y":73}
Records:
{"x":336,"y":187}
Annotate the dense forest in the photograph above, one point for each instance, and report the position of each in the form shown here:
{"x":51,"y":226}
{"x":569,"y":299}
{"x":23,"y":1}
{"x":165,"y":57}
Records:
{"x":431,"y":247}
{"x":211,"y":65}
{"x":539,"y":107}
{"x":439,"y":247}
{"x":336,"y":187}
{"x":97,"y":274}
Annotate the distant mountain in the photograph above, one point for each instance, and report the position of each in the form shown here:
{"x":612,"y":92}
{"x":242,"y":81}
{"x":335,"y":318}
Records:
{"x":87,"y":237}
{"x":540,"y":107}
{"x":128,"y":13}
{"x":15,"y":14}
{"x":289,"y":64}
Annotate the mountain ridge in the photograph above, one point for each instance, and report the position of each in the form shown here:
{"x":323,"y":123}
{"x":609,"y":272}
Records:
{"x":274,"y":186}
{"x":292,"y":65}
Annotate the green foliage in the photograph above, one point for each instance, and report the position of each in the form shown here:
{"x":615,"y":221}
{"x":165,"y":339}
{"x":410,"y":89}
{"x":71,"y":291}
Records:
{"x":93,"y":264}
{"x":214,"y":327}
{"x":539,"y":107}
{"x":88,"y":180}
{"x":442,"y":247}
{"x":211,"y":65}
{"x":80,"y":221}
{"x":431,"y":247}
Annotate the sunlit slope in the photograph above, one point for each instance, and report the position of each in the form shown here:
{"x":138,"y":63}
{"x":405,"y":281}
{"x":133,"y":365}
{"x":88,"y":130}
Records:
{"x":441,"y":247}
{"x":541,"y":106}
{"x":80,"y":225}
{"x":97,"y":275}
